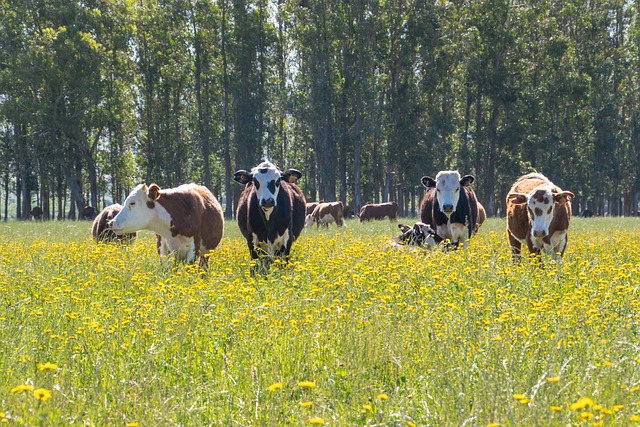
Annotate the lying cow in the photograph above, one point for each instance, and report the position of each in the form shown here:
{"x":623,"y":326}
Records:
{"x":450,"y":206}
{"x":188,"y":219}
{"x":538,"y":215}
{"x":100,"y":229}
{"x":379,"y":211}
{"x":271,"y":210}
{"x":418,"y":235}
{"x":326,"y":213}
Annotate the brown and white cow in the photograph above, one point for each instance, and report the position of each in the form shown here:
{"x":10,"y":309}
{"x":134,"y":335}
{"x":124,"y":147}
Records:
{"x":418,"y":235}
{"x":379,"y":211}
{"x":310,"y":206}
{"x":482,"y":217}
{"x":326,"y":213}
{"x":538,"y":215}
{"x":450,"y":206}
{"x":271,"y":210}
{"x":188,"y":219}
{"x":101,"y":231}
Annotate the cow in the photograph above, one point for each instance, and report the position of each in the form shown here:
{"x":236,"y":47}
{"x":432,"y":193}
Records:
{"x":379,"y":211}
{"x":450,"y":206}
{"x":348,"y":211}
{"x":88,"y":212}
{"x":271,"y":210}
{"x":418,"y":235}
{"x":101,"y":231}
{"x":36,"y":213}
{"x":587,"y":213}
{"x":482,"y":217}
{"x":326,"y":213}
{"x":187,"y":219}
{"x":538,"y":215}
{"x":310,"y":206}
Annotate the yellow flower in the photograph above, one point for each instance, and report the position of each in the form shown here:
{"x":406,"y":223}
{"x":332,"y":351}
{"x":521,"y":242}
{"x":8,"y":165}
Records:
{"x":42,"y":394}
{"x":586,"y":415}
{"x":305,"y":404}
{"x":582,"y":403}
{"x":383,"y":396}
{"x":22,"y":388}
{"x":411,"y":424}
{"x":275,"y":386}
{"x":133,"y":424}
{"x":555,"y":408}
{"x":47,"y":366}
{"x":367,"y":407}
{"x":307,"y":384}
{"x":635,"y":418}
{"x":553,"y":379}
{"x":494,"y":425}
{"x":617,"y":407}
{"x":519,"y":396}
{"x":316,"y":420}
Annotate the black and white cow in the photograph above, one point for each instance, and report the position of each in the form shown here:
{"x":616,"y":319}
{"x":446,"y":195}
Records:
{"x":271,"y":210}
{"x":450,"y":206}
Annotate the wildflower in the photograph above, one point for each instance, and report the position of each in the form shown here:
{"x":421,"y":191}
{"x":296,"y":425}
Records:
{"x":42,"y":394}
{"x":307,"y":384}
{"x":305,"y":404}
{"x":586,"y":415}
{"x":275,"y":386}
{"x":493,"y":425}
{"x":22,"y":388}
{"x":316,"y":420}
{"x":555,"y":408}
{"x":519,"y":396}
{"x":411,"y":424}
{"x":47,"y":366}
{"x":617,"y":407}
{"x":383,"y":396}
{"x":635,"y":418}
{"x":582,"y":403}
{"x":133,"y":424}
{"x":367,"y":407}
{"x":553,"y":379}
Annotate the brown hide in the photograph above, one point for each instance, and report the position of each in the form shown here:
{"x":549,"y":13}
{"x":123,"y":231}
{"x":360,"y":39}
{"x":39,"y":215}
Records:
{"x":310,"y":207}
{"x":100,"y":229}
{"x":379,"y":211}
{"x":335,"y":209}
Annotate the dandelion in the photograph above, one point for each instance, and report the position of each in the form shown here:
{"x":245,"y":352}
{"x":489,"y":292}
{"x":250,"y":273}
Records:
{"x":42,"y":394}
{"x":555,"y":408}
{"x":635,"y":418}
{"x":275,"y":386}
{"x":133,"y":424}
{"x":307,"y":384}
{"x":383,"y":396}
{"x":22,"y":388}
{"x":617,"y":407}
{"x":582,"y":403}
{"x":316,"y":420}
{"x":411,"y":424}
{"x":586,"y":415}
{"x":367,"y":407}
{"x":519,"y":396}
{"x":305,"y":404}
{"x":493,"y":425}
{"x":47,"y":366}
{"x":553,"y":379}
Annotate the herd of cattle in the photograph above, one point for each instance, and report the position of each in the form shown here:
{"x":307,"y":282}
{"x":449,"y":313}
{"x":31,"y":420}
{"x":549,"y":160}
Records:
{"x":272,"y":212}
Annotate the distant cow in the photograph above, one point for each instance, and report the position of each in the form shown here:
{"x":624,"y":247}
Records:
{"x":36,"y":213}
{"x":100,"y":229}
{"x":88,"y":212}
{"x":348,"y":211}
{"x":188,"y":219}
{"x":482,"y":217}
{"x":326,"y":213}
{"x":379,"y":211}
{"x":271,"y":209}
{"x":538,"y":214}
{"x":587,"y":213}
{"x":310,"y":206}
{"x":418,"y":235}
{"x":450,"y":206}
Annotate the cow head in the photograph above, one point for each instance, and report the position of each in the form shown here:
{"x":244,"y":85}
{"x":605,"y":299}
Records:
{"x":308,"y":221}
{"x":540,"y":203}
{"x":266,"y":179}
{"x":138,"y":210}
{"x":448,"y":186}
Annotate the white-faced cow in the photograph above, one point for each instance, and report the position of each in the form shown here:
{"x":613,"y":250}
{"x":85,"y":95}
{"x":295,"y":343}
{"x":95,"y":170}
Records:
{"x":271,"y":210}
{"x":188,"y":219}
{"x":101,"y":231}
{"x":538,"y":215}
{"x":450,"y":206}
{"x":418,"y":235}
{"x":379,"y":211}
{"x":326,"y":213}
{"x":310,"y":207}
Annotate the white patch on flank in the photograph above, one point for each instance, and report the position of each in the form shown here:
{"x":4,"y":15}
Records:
{"x":327,"y":219}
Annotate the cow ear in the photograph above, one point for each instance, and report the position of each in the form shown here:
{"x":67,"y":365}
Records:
{"x":428,"y":182}
{"x":467,"y":180}
{"x":242,"y":177}
{"x":404,"y":228}
{"x":292,"y":176}
{"x":517,"y":198}
{"x":154,"y":192}
{"x":558,"y":196}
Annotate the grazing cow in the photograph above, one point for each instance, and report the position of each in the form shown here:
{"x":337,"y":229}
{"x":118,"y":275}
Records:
{"x":418,"y":235}
{"x":348,"y":212}
{"x":379,"y":211}
{"x":450,"y":206}
{"x":326,"y":213}
{"x":587,"y":213}
{"x":88,"y":212}
{"x":482,"y":217}
{"x":310,"y":206}
{"x":36,"y":213}
{"x":100,"y":229}
{"x":271,"y":210}
{"x":188,"y":219}
{"x":538,"y":214}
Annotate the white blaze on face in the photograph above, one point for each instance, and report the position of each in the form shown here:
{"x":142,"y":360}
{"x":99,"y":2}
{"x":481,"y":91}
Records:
{"x":308,"y":220}
{"x":135,"y":214}
{"x":540,"y":205}
{"x":448,"y":191}
{"x":266,"y":184}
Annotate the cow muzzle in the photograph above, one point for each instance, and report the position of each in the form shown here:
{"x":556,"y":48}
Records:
{"x":267,"y":203}
{"x":539,"y":233}
{"x":447,"y":209}
{"x":111,"y":225}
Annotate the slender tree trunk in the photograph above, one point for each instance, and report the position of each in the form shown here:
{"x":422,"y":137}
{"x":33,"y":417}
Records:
{"x":225,"y":132}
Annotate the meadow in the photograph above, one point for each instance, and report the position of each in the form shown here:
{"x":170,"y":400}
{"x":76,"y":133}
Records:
{"x":353,"y":333}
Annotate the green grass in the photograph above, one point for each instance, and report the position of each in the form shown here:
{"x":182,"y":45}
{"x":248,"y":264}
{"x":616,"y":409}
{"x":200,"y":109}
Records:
{"x":386,"y":336}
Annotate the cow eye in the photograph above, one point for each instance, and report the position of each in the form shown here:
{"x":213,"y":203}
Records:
{"x":256,"y":183}
{"x":458,"y":189}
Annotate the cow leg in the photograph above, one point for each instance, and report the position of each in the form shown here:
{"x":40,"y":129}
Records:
{"x":557,"y":245}
{"x":516,"y":247}
{"x":459,"y":234}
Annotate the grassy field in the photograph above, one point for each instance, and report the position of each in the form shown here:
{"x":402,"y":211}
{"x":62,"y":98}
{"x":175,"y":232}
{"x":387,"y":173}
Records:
{"x":355,"y":332}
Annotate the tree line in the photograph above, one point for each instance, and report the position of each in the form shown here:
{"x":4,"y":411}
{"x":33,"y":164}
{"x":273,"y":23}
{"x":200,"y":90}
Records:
{"x":363,"y":96}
